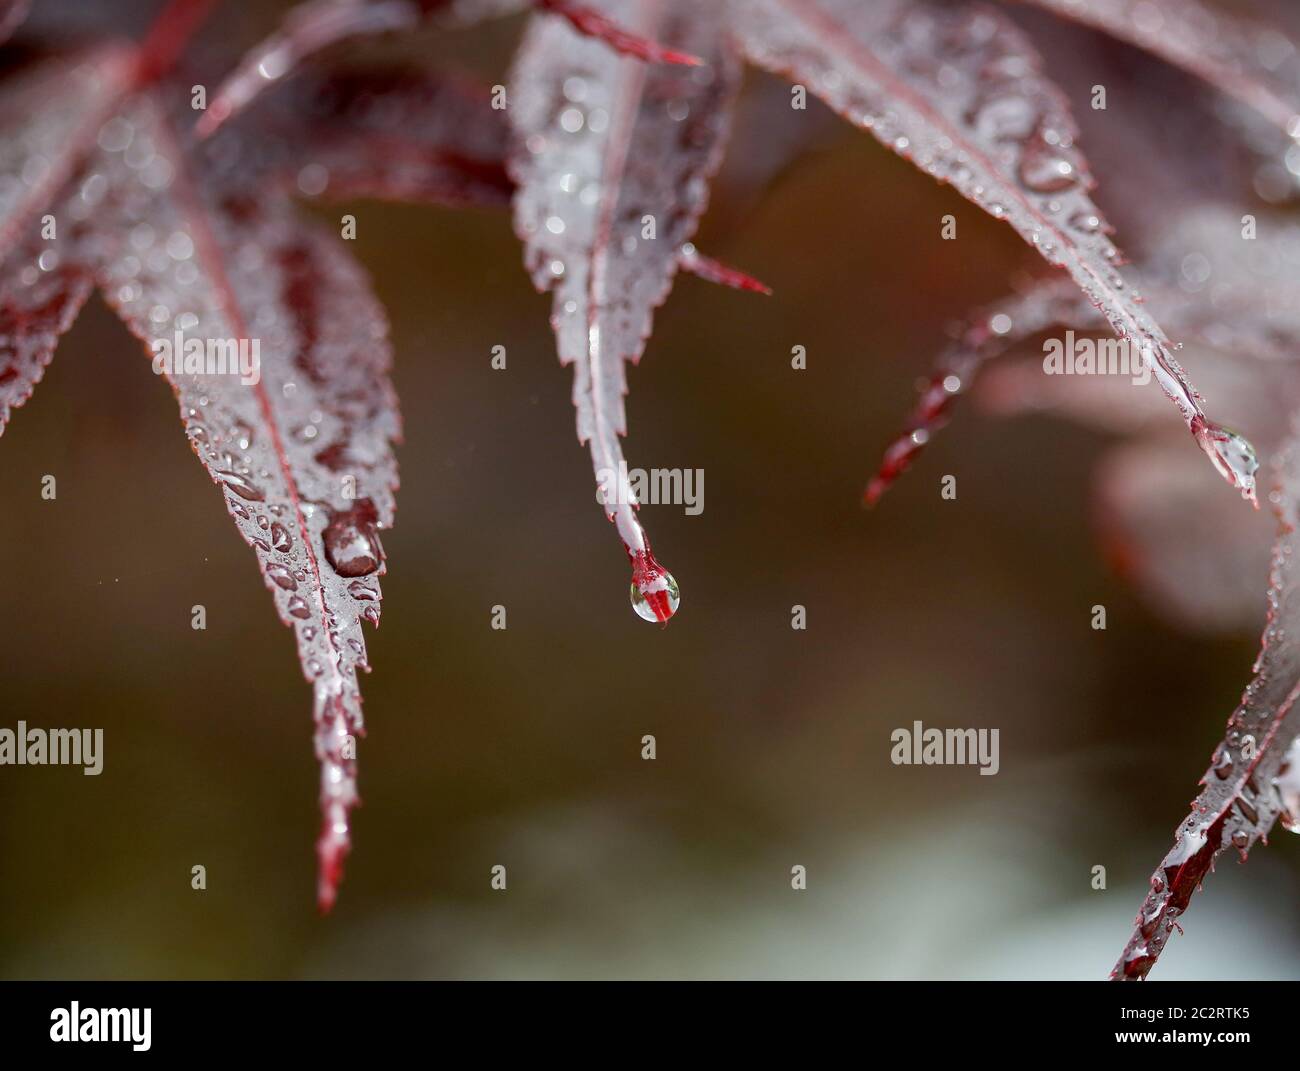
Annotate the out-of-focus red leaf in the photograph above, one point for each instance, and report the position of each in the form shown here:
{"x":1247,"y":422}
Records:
{"x":42,"y":288}
{"x":49,"y":119}
{"x":307,"y":29}
{"x":1196,"y":559}
{"x":991,"y":333}
{"x":12,"y":14}
{"x":1248,"y":785}
{"x":1237,"y":296}
{"x":402,"y":135}
{"x":316,"y":25}
{"x":1223,"y":49}
{"x":959,"y":91}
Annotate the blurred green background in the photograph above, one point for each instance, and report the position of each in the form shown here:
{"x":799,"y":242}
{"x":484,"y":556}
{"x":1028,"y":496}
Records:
{"x":522,"y":747}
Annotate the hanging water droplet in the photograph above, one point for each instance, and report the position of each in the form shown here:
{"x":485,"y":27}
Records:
{"x":650,"y":606}
{"x":654,"y":592}
{"x":1231,"y":454}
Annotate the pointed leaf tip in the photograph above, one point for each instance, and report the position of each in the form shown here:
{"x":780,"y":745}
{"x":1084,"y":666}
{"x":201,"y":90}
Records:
{"x":658,"y":141}
{"x":1047,"y":303}
{"x":307,"y":29}
{"x":314,"y":26}
{"x":960,"y":91}
{"x":715,"y":271}
{"x":1249,"y":783}
{"x":302,"y":448}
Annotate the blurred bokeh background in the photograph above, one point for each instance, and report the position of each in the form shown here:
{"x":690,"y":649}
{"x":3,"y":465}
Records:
{"x":522,"y":747}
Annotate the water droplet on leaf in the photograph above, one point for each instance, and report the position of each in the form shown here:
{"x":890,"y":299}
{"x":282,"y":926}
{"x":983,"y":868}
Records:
{"x":281,"y":576}
{"x":1045,"y":170}
{"x":1231,"y":453}
{"x":654,"y":592}
{"x":241,"y":485}
{"x":351,"y":543}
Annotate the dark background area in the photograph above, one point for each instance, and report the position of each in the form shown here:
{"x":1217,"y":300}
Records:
{"x":522,"y":747}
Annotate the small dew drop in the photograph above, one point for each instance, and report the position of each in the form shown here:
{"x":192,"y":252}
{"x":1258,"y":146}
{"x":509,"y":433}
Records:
{"x":281,"y":577}
{"x":280,"y":538}
{"x":241,"y":485}
{"x":1044,"y":170}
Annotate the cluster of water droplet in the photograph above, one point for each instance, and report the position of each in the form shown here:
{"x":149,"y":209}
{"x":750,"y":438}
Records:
{"x":303,"y":454}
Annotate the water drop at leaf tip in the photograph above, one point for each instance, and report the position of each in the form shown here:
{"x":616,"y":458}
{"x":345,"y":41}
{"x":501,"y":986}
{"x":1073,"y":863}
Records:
{"x":654,"y":592}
